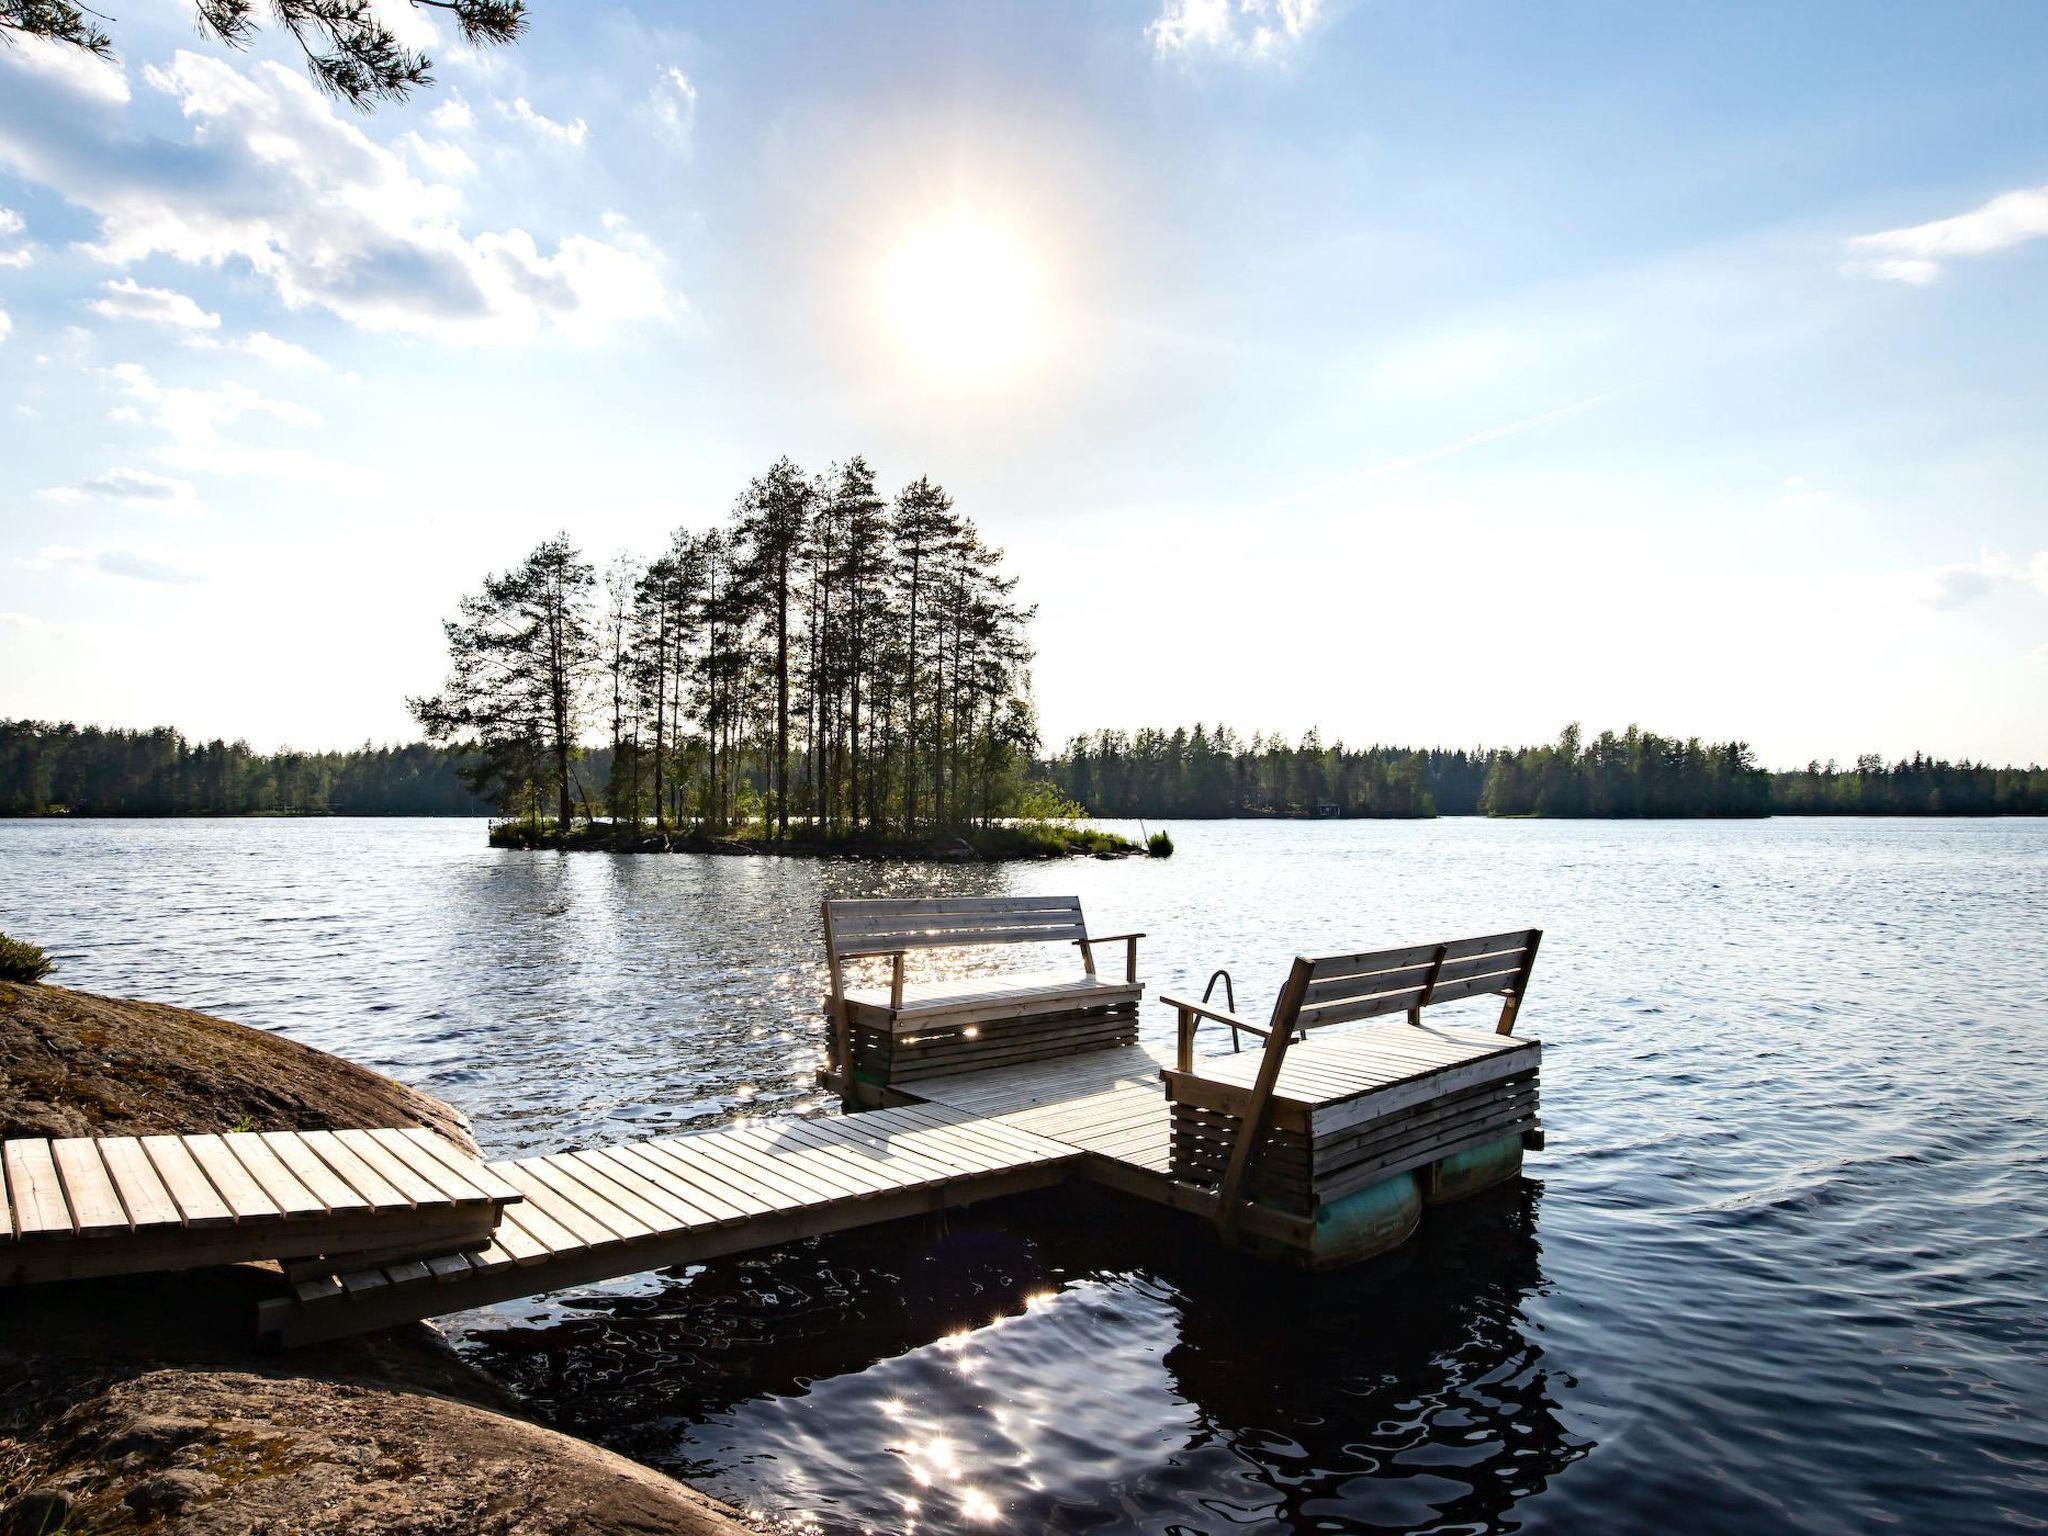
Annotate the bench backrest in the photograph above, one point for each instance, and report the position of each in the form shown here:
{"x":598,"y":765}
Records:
{"x":881,"y":927}
{"x":1341,"y":988}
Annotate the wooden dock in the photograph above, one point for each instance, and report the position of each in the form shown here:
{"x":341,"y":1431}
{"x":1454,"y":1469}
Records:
{"x":1318,"y":1150}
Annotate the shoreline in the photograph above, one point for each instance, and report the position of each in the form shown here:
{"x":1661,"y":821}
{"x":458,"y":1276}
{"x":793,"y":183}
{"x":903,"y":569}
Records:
{"x":141,"y":1400}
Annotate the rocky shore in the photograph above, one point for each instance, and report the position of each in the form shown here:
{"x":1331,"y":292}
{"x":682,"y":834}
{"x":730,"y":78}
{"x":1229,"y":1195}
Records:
{"x":140,"y":1404}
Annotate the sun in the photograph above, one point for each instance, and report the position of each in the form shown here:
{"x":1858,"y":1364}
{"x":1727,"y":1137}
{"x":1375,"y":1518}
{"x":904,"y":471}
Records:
{"x":965,"y":301}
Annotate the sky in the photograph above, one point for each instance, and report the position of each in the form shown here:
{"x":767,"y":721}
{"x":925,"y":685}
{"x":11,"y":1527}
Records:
{"x":1418,"y":372}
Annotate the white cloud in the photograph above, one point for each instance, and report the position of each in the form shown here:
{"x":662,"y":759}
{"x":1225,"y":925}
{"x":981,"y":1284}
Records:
{"x":440,"y":156}
{"x":6,"y":324}
{"x":1957,"y":585}
{"x":72,"y":70}
{"x":133,"y":487}
{"x":675,"y":105}
{"x":453,"y":115}
{"x":521,"y":111}
{"x":12,"y":223}
{"x":270,"y":349}
{"x":1232,"y":29}
{"x":1916,"y":253}
{"x":275,"y":178}
{"x":125,"y":563}
{"x":192,"y":419}
{"x":126,"y":299}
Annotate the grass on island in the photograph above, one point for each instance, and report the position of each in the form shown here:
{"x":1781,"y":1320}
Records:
{"x":1048,"y":826}
{"x":1002,"y":840}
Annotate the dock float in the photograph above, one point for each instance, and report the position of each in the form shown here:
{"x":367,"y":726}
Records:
{"x":1319,"y":1151}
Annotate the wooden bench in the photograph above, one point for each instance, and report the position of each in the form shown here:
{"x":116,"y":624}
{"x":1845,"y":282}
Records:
{"x":83,"y":1206}
{"x":907,"y":1030}
{"x":1326,"y":1128}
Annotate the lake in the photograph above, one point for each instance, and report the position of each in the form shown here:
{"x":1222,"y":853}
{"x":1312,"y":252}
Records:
{"x":1784,"y":1265}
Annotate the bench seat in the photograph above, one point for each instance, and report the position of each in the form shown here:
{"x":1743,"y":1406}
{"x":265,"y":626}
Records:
{"x":977,"y":999}
{"x":918,"y":1029}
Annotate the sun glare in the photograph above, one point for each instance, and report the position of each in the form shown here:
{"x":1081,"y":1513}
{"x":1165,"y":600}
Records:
{"x":965,"y":301}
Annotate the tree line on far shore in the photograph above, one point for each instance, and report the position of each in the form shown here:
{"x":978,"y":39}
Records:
{"x":85,"y":770}
{"x":1206,"y":772}
{"x":829,"y":662}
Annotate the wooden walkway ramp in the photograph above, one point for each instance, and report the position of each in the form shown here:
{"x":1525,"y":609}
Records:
{"x":83,"y":1206}
{"x":606,"y":1212}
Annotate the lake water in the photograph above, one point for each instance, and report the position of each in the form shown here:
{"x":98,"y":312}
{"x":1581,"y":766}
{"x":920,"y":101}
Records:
{"x":1783,"y":1267}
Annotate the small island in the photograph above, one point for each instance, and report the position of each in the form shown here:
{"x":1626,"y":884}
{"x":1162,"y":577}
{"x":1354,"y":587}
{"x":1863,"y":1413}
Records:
{"x":830,"y":671}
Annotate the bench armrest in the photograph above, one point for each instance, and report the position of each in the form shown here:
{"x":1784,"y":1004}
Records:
{"x":1129,"y":941}
{"x":1203,"y":1010}
{"x":1190,"y":1015}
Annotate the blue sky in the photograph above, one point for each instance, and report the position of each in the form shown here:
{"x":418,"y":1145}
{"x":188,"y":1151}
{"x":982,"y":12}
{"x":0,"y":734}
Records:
{"x":1419,"y":372}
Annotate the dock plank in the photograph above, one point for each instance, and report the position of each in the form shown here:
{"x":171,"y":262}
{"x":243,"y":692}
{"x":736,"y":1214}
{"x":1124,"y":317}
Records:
{"x":35,"y":1192}
{"x":89,"y":1191}
{"x":141,"y":1188}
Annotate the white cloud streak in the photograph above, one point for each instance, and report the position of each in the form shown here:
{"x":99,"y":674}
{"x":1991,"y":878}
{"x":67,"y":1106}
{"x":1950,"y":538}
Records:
{"x":520,"y":110}
{"x":1918,"y":253}
{"x":126,"y":299}
{"x":131,"y":487}
{"x":1965,"y":582}
{"x":675,"y":106}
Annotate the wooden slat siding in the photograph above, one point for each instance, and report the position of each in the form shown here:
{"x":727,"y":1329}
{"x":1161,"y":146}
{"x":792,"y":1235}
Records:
{"x":332,"y":1190}
{"x":95,"y":1205}
{"x":1334,"y":1148}
{"x":885,"y":944}
{"x":362,"y":1178}
{"x":859,"y":928}
{"x":449,"y":1156}
{"x":244,"y":1196}
{"x":949,"y":906}
{"x":198,"y":1201}
{"x":288,"y":1193}
{"x":142,"y":1191}
{"x":395,"y":1172}
{"x":1482,"y":1104}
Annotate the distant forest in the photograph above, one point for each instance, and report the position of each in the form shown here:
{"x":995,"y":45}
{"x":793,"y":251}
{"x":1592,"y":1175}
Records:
{"x":1198,"y":773}
{"x":1214,"y":772}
